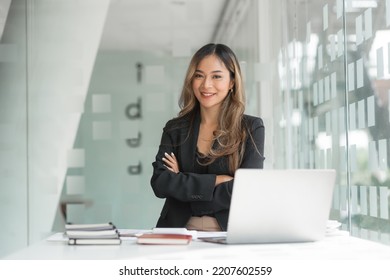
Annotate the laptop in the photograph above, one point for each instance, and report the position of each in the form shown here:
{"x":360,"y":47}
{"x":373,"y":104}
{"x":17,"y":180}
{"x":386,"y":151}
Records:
{"x":279,"y":206}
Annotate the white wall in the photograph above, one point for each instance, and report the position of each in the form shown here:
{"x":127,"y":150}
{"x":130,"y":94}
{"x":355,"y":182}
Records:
{"x":13,"y":137}
{"x":63,"y":38}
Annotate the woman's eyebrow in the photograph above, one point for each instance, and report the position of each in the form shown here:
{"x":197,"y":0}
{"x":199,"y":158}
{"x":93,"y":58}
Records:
{"x":215,"y":71}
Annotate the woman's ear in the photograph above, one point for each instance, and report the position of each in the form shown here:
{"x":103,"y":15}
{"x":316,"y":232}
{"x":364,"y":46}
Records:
{"x":231,"y":85}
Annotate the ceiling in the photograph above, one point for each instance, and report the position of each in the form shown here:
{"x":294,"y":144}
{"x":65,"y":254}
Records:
{"x":177,"y":26}
{"x":155,"y":25}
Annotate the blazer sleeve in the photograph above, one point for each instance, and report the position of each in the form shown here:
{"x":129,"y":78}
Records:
{"x":183,"y":186}
{"x":253,"y":158}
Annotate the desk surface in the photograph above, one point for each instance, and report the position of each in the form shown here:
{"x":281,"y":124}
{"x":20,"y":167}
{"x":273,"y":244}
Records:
{"x":331,"y":248}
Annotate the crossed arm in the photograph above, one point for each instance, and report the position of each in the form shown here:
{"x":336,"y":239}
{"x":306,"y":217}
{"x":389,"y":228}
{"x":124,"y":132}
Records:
{"x":170,"y":162}
{"x":169,"y":178}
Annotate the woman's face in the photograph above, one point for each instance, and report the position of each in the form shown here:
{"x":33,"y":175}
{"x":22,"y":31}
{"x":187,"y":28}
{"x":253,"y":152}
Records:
{"x":211,"y":82}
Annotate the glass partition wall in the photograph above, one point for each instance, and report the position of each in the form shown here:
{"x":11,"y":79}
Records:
{"x":87,"y":86}
{"x":367,"y":47}
{"x":310,"y":107}
{"x":332,"y":109}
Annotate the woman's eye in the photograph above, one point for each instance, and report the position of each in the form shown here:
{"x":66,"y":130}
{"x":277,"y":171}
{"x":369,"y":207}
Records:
{"x":198,"y":76}
{"x":217,"y":77}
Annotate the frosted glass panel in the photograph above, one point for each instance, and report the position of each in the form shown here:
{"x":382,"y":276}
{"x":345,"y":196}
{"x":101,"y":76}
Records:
{"x":369,"y":52}
{"x":346,"y":114}
{"x":101,"y":103}
{"x":320,"y":138}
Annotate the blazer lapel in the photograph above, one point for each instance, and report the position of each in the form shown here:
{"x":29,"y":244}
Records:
{"x":188,"y":149}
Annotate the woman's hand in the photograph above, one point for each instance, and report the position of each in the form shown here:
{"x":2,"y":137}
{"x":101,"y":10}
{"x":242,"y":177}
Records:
{"x":222,"y":179}
{"x":171,"y":162}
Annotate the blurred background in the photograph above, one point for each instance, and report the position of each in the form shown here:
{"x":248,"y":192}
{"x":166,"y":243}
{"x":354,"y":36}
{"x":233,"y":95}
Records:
{"x":86,"y":87}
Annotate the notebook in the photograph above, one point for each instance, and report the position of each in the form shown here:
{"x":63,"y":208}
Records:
{"x":278,"y":206}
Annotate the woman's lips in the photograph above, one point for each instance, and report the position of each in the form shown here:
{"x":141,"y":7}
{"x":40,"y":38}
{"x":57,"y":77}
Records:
{"x":207,"y":94}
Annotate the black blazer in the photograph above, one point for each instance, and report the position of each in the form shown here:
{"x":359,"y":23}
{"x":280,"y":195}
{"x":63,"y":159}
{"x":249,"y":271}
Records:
{"x":188,"y":193}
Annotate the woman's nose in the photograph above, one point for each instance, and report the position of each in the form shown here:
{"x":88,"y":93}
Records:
{"x":207,"y":82}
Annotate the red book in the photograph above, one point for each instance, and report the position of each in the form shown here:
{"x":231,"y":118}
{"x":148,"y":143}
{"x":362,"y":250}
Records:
{"x":164,"y":239}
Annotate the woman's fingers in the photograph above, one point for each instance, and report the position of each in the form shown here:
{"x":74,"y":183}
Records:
{"x":169,"y":168}
{"x":171,"y":157}
{"x":171,"y":162}
{"x":168,"y":162}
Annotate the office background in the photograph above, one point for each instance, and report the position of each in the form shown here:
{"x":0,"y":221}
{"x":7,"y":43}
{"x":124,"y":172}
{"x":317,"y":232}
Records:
{"x":86,"y":87}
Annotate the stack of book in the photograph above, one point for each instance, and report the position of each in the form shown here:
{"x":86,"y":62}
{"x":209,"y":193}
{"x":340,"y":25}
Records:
{"x":92,"y":234}
{"x":164,"y":239}
{"x":167,"y":236}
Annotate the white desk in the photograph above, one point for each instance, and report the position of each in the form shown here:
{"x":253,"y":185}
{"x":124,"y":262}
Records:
{"x":331,"y":248}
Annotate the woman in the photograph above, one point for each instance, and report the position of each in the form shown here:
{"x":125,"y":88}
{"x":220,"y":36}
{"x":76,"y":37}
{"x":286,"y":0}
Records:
{"x":209,"y":140}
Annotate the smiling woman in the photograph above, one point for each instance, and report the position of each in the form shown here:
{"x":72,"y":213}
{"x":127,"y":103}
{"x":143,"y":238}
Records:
{"x":210,"y":139}
{"x":211,"y":83}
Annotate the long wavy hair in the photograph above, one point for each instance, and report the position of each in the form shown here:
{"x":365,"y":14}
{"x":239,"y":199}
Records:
{"x":230,"y":134}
